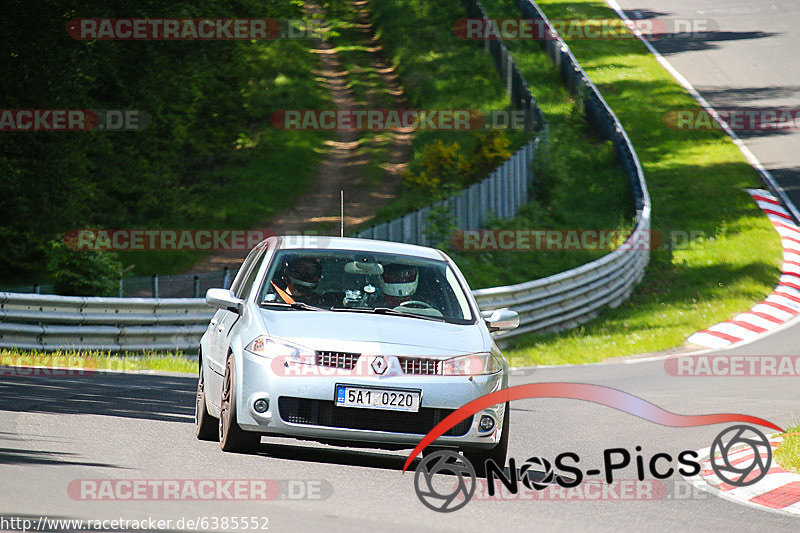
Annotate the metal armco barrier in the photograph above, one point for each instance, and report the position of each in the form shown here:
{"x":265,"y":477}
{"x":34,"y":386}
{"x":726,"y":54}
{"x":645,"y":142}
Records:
{"x":574,"y":297}
{"x":46,"y":322}
{"x":501,"y":195}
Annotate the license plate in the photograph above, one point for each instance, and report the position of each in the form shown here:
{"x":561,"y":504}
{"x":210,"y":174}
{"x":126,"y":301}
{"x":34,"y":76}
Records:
{"x":369,"y":398}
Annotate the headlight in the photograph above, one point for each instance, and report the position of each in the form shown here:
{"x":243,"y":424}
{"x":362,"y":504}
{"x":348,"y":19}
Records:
{"x":269,"y":347}
{"x":472,"y":365}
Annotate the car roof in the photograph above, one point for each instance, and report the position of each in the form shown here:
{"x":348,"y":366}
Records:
{"x":321,"y":242}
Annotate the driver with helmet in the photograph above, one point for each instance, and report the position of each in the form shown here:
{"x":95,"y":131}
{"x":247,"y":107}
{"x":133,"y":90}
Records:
{"x":300,"y":277}
{"x":398,"y":283}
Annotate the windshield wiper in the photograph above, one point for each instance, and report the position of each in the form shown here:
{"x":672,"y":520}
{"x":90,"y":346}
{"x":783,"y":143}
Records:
{"x":300,"y":306}
{"x":387,"y":311}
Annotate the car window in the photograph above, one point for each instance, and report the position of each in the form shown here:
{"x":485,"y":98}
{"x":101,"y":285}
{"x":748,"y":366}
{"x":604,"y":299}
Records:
{"x":251,"y":276}
{"x":244,"y":271}
{"x":347,"y":280}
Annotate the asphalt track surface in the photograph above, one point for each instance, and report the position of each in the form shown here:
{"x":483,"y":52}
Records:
{"x":747,"y":59}
{"x":54,"y":430}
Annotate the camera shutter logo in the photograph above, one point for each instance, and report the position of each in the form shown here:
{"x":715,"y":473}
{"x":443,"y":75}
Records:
{"x":742,"y":472}
{"x":461,"y":472}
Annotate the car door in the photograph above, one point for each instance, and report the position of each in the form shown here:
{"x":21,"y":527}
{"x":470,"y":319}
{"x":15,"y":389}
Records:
{"x":229,"y":319}
{"x":220,"y":326}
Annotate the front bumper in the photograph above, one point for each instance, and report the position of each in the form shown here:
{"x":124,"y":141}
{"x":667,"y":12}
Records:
{"x":439,"y":396}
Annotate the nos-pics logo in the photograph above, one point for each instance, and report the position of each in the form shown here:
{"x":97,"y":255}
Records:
{"x":446,"y":481}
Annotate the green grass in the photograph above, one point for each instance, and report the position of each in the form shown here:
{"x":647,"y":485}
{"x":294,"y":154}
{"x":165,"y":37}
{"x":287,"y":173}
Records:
{"x":265,"y":170}
{"x":95,"y":360}
{"x":697,"y":183}
{"x":788,"y":453}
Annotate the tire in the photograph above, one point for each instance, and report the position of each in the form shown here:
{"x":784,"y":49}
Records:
{"x":232,"y":438}
{"x":497,"y":454}
{"x":206,"y":426}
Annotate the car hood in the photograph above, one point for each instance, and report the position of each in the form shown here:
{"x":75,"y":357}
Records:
{"x":374,"y":334}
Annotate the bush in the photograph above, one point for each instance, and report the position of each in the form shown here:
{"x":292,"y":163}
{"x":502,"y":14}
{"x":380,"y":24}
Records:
{"x":440,"y":168}
{"x":83,"y":273}
{"x":444,"y":169}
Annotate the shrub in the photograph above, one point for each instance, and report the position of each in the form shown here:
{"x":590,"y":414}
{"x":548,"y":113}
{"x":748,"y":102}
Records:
{"x":83,"y":273}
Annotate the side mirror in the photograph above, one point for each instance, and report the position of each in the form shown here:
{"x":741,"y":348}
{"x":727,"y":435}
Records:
{"x":501,"y":319}
{"x":225,"y":299}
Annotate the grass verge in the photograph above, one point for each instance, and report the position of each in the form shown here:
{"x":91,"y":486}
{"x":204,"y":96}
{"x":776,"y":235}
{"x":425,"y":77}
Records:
{"x":697,"y":183}
{"x":20,"y":362}
{"x":788,"y":453}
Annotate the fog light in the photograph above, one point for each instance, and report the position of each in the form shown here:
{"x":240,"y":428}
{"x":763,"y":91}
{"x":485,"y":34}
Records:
{"x":261,"y":405}
{"x":487,"y":423}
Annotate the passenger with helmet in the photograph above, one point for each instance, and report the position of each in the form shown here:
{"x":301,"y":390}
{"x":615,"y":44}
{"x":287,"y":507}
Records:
{"x":398,"y":283}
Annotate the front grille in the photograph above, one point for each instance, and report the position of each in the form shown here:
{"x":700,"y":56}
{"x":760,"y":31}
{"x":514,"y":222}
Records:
{"x":326,"y":413}
{"x":420,"y":365}
{"x":344,"y":360}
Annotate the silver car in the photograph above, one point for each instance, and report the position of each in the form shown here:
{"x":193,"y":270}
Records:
{"x":350,"y":342}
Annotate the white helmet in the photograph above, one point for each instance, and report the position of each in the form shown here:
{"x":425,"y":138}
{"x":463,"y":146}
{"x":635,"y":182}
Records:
{"x":399,"y":280}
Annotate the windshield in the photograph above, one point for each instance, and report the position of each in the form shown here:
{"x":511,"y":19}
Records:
{"x":354,"y":281}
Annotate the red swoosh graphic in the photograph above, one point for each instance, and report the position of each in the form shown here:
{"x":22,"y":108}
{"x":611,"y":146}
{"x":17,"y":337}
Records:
{"x":580,"y":391}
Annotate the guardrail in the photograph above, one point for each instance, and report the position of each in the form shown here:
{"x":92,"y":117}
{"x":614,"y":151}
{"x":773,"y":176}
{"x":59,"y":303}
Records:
{"x":46,"y":322}
{"x":501,"y":194}
{"x":555,"y":303}
{"x":164,"y":286}
{"x":574,"y":297}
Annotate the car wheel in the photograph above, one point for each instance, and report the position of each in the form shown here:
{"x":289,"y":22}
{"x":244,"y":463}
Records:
{"x":206,"y":426}
{"x":497,"y":454}
{"x":232,"y":438}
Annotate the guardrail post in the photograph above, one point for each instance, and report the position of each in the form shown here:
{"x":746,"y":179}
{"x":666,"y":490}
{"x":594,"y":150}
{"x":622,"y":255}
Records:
{"x":36,"y":289}
{"x":196,"y":288}
{"x":225,"y":277}
{"x":155,"y":285}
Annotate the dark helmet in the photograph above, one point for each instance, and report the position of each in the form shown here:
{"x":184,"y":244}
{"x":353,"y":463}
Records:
{"x":304,"y":271}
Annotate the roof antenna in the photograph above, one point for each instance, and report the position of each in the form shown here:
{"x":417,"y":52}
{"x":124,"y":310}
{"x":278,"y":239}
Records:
{"x":341,"y":233}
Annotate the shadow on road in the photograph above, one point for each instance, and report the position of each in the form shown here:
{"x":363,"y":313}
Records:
{"x":17,"y":456}
{"x":739,"y":96}
{"x":163,"y":398}
{"x":673,"y":43}
{"x":360,"y":458}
